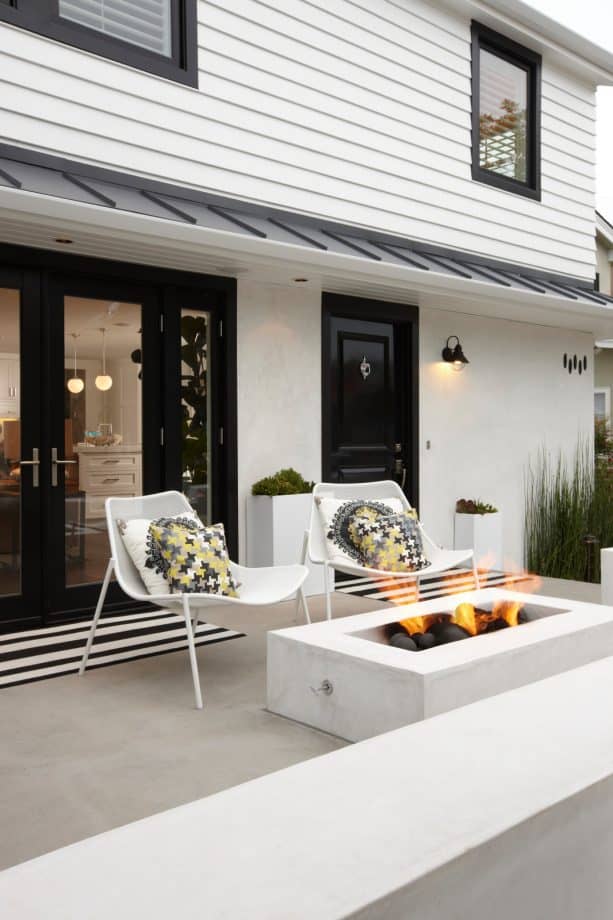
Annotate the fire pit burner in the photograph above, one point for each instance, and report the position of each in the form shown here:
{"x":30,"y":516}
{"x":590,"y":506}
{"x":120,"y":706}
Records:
{"x":378,"y":687}
{"x":416,"y":634}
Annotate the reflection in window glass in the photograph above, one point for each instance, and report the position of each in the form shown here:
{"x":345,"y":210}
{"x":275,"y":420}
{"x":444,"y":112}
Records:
{"x":196,"y":411}
{"x":10,"y":445}
{"x":102,"y":425}
{"x":503,"y":95}
{"x":144,"y":24}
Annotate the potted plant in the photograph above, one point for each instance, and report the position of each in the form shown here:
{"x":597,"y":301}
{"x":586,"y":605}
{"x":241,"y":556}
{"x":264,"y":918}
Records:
{"x":478,"y":525}
{"x":278,"y":512}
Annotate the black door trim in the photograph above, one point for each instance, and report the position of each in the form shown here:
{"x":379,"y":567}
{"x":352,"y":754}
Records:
{"x":20,"y":611}
{"x":406,"y":319}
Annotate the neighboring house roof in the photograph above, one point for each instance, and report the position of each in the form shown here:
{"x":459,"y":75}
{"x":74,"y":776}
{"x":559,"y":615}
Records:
{"x":28,"y":171}
{"x":604,"y":229}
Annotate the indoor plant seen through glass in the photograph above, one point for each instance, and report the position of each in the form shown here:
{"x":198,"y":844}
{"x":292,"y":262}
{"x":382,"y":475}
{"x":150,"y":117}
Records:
{"x":195,"y":411}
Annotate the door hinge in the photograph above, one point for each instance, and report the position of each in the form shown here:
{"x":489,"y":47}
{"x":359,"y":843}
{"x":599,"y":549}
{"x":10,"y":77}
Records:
{"x":161,"y":322}
{"x":161,"y":437}
{"x":221,"y":329}
{"x":221,"y":436}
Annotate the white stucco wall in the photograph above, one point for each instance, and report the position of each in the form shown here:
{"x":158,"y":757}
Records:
{"x":482,"y":424}
{"x":485,"y":423}
{"x":279,"y":385}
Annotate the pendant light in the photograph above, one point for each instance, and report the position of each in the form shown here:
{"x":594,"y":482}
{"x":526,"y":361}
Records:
{"x":75,"y":384}
{"x":104,"y":381}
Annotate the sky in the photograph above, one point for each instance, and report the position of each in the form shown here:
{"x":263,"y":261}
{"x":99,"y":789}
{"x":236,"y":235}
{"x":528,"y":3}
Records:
{"x":594,"y":19}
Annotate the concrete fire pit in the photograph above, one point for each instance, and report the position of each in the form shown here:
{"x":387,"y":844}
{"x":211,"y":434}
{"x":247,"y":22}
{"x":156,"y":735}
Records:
{"x":342,"y":676}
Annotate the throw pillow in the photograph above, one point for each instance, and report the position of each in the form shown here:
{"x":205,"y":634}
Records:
{"x":391,"y":543}
{"x":195,"y":557}
{"x":144,"y":552}
{"x":338,"y":516}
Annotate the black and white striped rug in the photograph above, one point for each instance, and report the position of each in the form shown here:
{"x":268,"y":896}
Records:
{"x":399,"y":591}
{"x":39,"y":654}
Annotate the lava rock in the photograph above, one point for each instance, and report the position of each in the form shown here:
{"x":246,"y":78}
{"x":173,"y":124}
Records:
{"x":423,"y":640}
{"x":448,"y":632}
{"x":403,"y":640}
{"x":495,"y":625}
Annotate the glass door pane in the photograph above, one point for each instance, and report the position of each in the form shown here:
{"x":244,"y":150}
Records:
{"x":102,"y":451}
{"x":11,"y":470}
{"x":196,"y":467}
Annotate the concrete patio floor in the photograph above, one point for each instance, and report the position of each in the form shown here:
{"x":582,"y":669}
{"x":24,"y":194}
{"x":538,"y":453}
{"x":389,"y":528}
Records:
{"x":83,"y":755}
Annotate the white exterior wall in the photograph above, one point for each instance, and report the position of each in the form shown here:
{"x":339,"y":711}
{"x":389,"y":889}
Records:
{"x":487,"y":421}
{"x":279,"y":385}
{"x":355,"y":110}
{"x":483,"y":424}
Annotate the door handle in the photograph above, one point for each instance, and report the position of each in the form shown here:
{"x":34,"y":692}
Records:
{"x":34,"y":463}
{"x":55,"y":463}
{"x":400,"y":471}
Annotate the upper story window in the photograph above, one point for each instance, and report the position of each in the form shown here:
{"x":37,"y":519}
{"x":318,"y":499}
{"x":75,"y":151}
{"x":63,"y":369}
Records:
{"x":505,"y":113}
{"x":158,"y":36}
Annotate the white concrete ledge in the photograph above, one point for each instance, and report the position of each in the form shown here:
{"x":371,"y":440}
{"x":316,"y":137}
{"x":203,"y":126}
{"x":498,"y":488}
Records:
{"x":500,"y":809}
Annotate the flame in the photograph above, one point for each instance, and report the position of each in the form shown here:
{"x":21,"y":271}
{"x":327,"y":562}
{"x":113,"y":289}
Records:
{"x":514,"y":578}
{"x":465,"y":616}
{"x":473,"y":619}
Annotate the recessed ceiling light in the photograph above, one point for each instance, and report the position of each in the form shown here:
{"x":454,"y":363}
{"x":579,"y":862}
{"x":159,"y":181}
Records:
{"x":64,"y":240}
{"x":301,"y":280}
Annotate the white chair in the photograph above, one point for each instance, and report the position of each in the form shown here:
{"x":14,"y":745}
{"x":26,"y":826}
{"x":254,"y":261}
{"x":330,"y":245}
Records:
{"x":314,"y":547}
{"x":258,"y":587}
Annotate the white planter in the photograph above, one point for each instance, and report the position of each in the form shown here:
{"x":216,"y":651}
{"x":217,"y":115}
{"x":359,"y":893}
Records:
{"x":606,"y":579}
{"x":483,"y":534}
{"x":275,"y":533}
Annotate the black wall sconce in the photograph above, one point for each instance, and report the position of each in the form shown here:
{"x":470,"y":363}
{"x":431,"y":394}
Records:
{"x":454,"y":354}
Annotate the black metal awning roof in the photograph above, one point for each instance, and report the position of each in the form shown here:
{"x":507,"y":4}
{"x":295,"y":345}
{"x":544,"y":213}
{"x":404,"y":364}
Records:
{"x":33,"y":172}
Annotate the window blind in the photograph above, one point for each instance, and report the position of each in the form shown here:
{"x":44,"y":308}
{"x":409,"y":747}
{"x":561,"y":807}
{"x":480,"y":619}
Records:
{"x":145,"y":23}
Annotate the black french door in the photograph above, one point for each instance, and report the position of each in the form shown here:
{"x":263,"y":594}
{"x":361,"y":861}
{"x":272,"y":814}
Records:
{"x":114,"y":380}
{"x":21,"y":539}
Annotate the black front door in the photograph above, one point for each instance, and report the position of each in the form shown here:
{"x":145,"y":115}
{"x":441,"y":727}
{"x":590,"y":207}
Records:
{"x":369,"y":392}
{"x":114,"y":380}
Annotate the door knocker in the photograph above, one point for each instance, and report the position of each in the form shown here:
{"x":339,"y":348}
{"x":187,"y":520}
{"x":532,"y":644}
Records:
{"x":365,"y":368}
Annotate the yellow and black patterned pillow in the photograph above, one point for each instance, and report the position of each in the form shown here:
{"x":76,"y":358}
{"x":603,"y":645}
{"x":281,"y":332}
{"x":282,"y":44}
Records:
{"x":338,"y":519}
{"x":391,"y":543}
{"x":193,"y":557}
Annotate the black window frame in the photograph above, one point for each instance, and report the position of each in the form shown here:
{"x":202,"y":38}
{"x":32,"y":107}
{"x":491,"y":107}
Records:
{"x":42,"y":17}
{"x":530,"y":61}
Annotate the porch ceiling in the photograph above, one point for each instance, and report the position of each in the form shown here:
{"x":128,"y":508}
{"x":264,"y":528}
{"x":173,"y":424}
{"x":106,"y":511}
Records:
{"x":119,"y":216}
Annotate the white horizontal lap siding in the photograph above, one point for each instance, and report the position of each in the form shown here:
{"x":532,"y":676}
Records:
{"x":355,"y":110}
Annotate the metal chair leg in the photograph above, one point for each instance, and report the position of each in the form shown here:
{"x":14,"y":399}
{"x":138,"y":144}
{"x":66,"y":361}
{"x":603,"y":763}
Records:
{"x":301,"y":599}
{"x":328,"y":592}
{"x":192,"y":651}
{"x":299,"y":596}
{"x":98,"y":611}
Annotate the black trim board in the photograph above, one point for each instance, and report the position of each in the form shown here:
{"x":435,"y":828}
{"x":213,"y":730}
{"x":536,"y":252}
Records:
{"x":531,"y":62}
{"x":43,"y":18}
